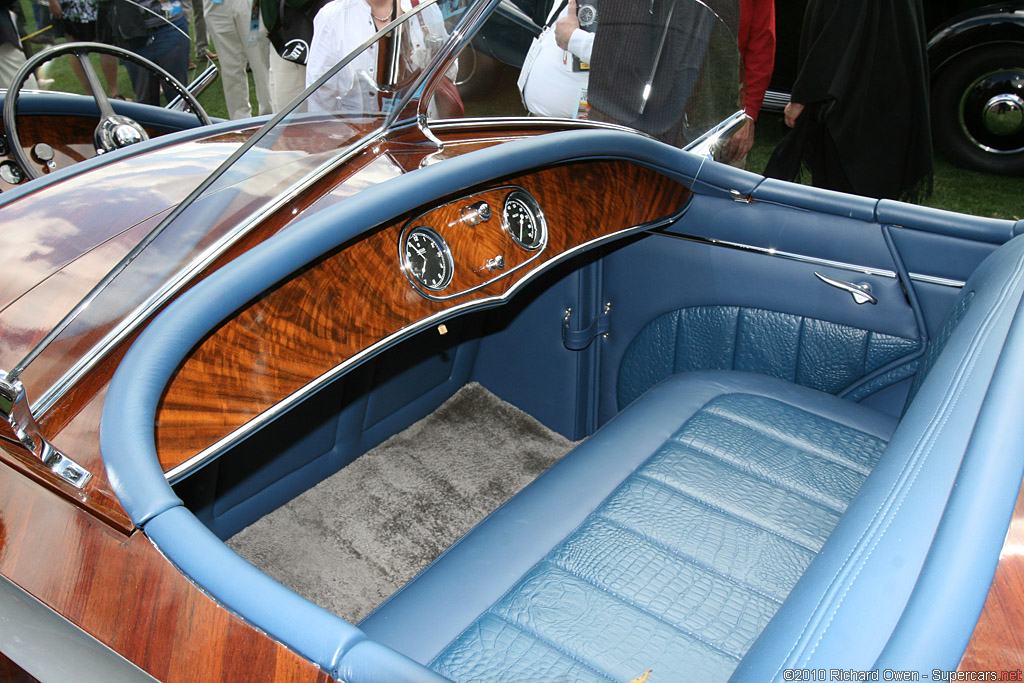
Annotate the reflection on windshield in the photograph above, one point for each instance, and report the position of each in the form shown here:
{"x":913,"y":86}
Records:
{"x":668,"y":68}
{"x":365,"y":85}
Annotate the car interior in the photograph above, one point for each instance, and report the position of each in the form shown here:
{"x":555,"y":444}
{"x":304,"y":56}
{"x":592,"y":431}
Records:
{"x":768,"y":395}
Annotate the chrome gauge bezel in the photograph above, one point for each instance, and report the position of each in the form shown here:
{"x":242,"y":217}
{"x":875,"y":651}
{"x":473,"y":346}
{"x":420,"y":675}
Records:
{"x":446,"y":255}
{"x":520,"y":195}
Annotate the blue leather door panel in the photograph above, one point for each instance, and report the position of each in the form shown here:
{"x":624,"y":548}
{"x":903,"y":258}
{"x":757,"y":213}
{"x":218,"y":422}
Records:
{"x":813,"y":353}
{"x":678,"y":274}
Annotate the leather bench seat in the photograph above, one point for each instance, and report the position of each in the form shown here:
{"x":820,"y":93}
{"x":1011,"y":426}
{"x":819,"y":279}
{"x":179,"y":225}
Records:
{"x":666,"y":541}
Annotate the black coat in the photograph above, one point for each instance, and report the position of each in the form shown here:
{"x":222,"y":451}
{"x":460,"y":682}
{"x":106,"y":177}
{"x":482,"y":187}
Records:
{"x":863,"y":76}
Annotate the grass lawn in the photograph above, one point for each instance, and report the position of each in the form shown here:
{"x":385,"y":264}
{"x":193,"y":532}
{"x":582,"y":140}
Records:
{"x":212,"y":99}
{"x":956,"y":189}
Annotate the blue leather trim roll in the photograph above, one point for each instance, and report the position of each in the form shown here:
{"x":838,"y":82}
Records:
{"x":815,"y":199}
{"x":977,"y":228}
{"x":370,"y":662}
{"x":958,"y":571}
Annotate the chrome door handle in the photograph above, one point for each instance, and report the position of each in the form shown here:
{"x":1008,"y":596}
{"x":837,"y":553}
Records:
{"x":861,"y":293}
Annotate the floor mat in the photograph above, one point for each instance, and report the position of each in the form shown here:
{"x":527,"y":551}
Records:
{"x":358,"y":536}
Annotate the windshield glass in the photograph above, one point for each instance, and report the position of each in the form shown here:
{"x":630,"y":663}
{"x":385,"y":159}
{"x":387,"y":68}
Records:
{"x":667,"y":68}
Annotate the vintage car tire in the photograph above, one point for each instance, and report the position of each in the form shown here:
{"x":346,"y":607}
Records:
{"x":78,"y":49}
{"x":978,"y":109}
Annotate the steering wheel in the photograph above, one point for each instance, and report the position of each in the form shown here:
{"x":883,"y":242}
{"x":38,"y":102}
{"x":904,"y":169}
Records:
{"x":114,"y":130}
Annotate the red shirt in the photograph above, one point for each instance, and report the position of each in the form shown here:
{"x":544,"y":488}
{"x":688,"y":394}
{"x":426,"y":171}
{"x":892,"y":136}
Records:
{"x":757,"y":48}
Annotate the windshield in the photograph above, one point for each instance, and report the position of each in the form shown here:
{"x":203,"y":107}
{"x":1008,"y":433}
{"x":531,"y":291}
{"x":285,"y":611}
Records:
{"x":676,"y":81}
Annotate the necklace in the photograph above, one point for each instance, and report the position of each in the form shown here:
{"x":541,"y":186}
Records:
{"x":385,"y":19}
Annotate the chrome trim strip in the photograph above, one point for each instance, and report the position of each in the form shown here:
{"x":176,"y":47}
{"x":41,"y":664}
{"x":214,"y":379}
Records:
{"x":118,"y":333}
{"x":867,"y":270}
{"x":51,"y":648}
{"x":175,"y":474}
{"x":765,"y":251}
{"x":934,"y":280}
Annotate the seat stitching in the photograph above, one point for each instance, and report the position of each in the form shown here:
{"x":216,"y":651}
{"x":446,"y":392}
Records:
{"x":717,"y":508}
{"x":632,"y":605}
{"x":554,"y":646}
{"x":737,"y":465}
{"x":735,"y":418}
{"x":687,"y":558}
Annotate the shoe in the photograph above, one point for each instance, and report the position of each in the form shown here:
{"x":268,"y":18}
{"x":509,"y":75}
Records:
{"x":212,"y":56}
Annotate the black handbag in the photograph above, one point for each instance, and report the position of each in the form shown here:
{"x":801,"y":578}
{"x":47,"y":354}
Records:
{"x":292,"y":35}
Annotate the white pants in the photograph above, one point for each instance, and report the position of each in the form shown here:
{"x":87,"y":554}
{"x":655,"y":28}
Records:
{"x":11,"y":59}
{"x":287,"y":79}
{"x":229,"y":25}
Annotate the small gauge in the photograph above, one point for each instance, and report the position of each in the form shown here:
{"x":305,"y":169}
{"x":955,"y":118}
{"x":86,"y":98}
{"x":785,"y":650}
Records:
{"x":524,"y":220}
{"x":11,"y":173}
{"x":427,"y":258}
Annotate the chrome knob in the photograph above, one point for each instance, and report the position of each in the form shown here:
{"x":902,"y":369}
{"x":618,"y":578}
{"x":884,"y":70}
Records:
{"x":477,"y":213}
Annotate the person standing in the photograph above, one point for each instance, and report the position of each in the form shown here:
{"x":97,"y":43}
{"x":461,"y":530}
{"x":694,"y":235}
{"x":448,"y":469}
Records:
{"x":290,"y":28}
{"x":757,"y":47}
{"x":859,"y":110}
{"x":12,"y":56}
{"x":241,"y":39}
{"x":201,"y":38}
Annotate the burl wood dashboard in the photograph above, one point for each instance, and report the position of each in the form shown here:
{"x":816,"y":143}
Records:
{"x":415,"y":269}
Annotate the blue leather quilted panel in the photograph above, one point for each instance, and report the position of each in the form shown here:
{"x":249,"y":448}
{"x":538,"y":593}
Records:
{"x":814,"y":353}
{"x":683,"y":565}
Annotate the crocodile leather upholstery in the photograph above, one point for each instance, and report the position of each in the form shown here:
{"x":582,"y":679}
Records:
{"x":683,"y":565}
{"x":813,"y":353}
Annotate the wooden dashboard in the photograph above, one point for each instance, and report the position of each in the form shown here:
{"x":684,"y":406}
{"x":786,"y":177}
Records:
{"x":362,"y":294}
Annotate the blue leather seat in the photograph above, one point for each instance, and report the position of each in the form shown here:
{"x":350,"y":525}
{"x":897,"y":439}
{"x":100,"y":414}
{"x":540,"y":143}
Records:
{"x":667,"y":541}
{"x":731,"y":524}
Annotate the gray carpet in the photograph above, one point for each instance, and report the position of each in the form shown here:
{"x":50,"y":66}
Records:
{"x":358,"y":536}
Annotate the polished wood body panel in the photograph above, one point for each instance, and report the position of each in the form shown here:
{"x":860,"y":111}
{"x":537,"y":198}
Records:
{"x":123,"y":592}
{"x":332,"y":311}
{"x":998,"y":640}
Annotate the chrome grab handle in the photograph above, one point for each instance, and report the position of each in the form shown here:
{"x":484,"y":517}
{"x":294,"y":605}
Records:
{"x":861,"y":292}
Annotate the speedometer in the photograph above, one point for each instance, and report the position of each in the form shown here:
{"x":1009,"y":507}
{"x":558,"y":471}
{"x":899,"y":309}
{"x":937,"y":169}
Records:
{"x":524,"y":220}
{"x":427,"y":258}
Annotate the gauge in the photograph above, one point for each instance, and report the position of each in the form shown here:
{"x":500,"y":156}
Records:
{"x":11,"y":173}
{"x":427,"y":258}
{"x":524,"y":220}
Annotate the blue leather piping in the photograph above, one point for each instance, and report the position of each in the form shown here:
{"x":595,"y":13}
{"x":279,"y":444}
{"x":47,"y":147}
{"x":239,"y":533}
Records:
{"x":126,"y":429}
